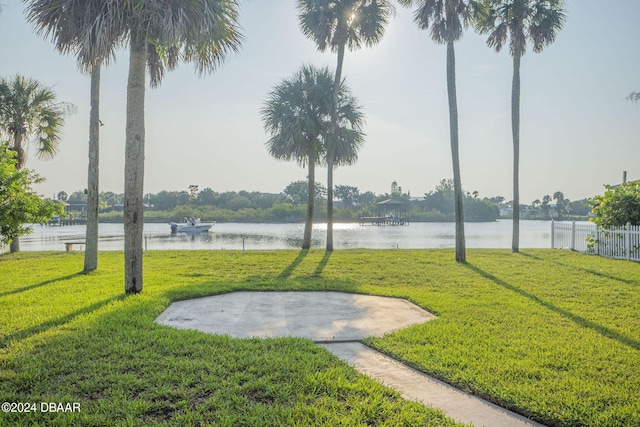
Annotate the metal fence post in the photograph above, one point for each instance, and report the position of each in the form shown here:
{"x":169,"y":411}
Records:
{"x":553,"y":236}
{"x":573,"y":236}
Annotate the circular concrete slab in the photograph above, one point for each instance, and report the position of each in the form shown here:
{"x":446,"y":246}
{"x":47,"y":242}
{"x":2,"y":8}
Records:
{"x":319,"y":316}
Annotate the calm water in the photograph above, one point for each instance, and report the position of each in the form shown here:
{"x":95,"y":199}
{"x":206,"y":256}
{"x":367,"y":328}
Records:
{"x":533,"y":234}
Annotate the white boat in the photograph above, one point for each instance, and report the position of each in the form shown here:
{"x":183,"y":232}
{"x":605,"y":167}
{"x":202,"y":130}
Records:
{"x":190,"y":225}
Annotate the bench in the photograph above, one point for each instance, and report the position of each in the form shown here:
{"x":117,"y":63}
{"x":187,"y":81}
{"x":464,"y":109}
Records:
{"x":69,"y":245}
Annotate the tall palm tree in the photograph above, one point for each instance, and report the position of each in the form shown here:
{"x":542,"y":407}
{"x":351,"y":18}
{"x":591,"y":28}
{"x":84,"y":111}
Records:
{"x":446,"y":20}
{"x":297,"y":116}
{"x":86,"y":29}
{"x":634,"y":97}
{"x":30,"y":114}
{"x":336,"y":24}
{"x":519,"y":21}
{"x":162,"y":33}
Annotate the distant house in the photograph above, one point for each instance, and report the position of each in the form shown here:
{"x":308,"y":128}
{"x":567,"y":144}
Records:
{"x":119,"y":207}
{"x":624,"y":180}
{"x":525,"y":212}
{"x":76,"y":207}
{"x":618,"y":185}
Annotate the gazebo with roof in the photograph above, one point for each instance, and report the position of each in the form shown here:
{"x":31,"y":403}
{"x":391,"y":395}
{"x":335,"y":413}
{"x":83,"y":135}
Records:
{"x":390,"y":212}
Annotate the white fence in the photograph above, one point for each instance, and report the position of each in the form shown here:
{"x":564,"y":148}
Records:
{"x":614,"y":242}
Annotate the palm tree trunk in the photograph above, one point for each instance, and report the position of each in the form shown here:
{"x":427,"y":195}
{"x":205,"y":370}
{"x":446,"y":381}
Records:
{"x":93,"y":175}
{"x":330,"y":162}
{"x":14,"y":246}
{"x":134,"y":167}
{"x":308,"y":225}
{"x":331,"y":149}
{"x":461,"y":255}
{"x":21,"y":155}
{"x":515,"y":129}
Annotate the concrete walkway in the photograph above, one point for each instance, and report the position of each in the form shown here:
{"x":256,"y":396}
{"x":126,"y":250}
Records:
{"x":414,"y":385}
{"x":338,"y":321}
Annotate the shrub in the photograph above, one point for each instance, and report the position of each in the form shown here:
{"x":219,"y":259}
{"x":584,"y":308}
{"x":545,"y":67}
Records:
{"x":618,"y":206}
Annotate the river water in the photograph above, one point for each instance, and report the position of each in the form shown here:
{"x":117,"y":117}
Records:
{"x":533,"y":234}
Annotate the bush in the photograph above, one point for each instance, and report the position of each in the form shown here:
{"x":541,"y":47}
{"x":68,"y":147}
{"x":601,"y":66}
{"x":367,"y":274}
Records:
{"x":19,"y":204}
{"x":618,"y":206}
{"x":431,"y":216}
{"x":476,"y":210}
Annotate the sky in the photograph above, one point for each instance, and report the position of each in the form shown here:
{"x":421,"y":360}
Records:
{"x":578,"y":132}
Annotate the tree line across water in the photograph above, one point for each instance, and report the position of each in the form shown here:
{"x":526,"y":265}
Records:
{"x":351,"y":204}
{"x":311,"y":118}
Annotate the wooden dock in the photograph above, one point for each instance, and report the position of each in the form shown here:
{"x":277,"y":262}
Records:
{"x":383,"y":220}
{"x":67,"y":221}
{"x":390,"y":212}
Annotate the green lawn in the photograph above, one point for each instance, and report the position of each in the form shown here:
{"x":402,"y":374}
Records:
{"x":551,"y":334}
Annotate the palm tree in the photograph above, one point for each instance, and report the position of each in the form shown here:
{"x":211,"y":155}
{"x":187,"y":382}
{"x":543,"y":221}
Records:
{"x":80,"y":27}
{"x":29,"y":113}
{"x":162,"y":33}
{"x":297,"y":116}
{"x":336,"y":24}
{"x":634,"y":97}
{"x":561,"y":204}
{"x":519,"y":21}
{"x":545,"y":206}
{"x":446,"y":19}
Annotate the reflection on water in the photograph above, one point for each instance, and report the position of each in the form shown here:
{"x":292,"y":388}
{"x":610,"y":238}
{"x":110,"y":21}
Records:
{"x":533,"y":234}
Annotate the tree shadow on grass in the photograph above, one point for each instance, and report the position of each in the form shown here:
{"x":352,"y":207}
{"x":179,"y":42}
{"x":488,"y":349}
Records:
{"x":581,"y":321}
{"x":120,"y":361}
{"x":322,"y":264}
{"x":42,"y":327}
{"x":289,"y":269}
{"x":586,"y":270}
{"x":37,"y":285}
{"x":307,"y":280}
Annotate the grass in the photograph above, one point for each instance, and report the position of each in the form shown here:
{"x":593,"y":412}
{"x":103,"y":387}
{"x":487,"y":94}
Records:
{"x":554,"y":335}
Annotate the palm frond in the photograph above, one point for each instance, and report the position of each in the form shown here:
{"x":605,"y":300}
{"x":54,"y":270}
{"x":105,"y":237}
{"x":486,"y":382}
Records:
{"x":297,"y":116}
{"x":546,"y":22}
{"x":91,"y":30}
{"x":333,"y":23}
{"x":48,"y":133}
{"x":29,"y":109}
{"x":370,"y":19}
{"x":155,"y":64}
{"x":520,"y":21}
{"x":202,"y":32}
{"x":318,"y":21}
{"x":445,"y":19}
